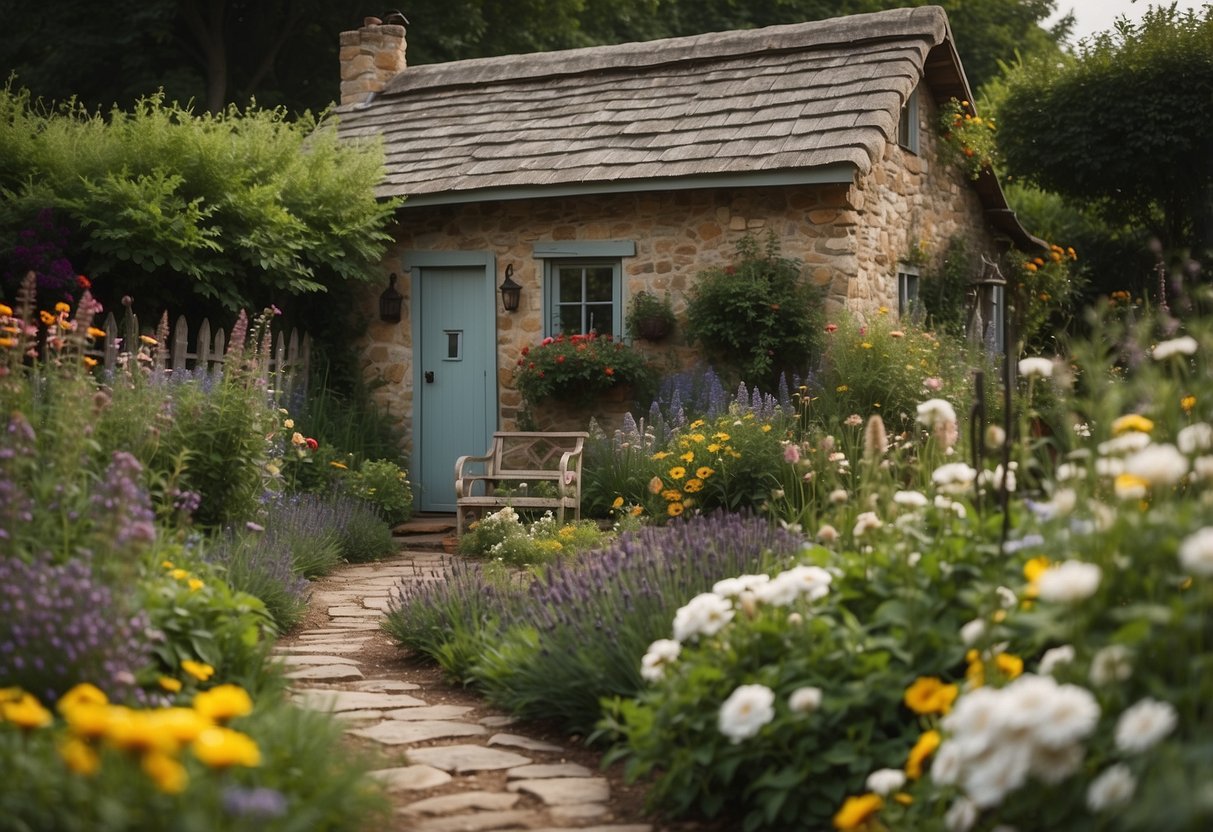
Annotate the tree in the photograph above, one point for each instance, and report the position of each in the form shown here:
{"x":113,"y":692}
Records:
{"x":284,"y":52}
{"x":1124,"y":125}
{"x":236,"y":209}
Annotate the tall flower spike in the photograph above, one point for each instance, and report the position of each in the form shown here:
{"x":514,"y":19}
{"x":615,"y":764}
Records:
{"x":875,"y":438}
{"x":235,"y":347}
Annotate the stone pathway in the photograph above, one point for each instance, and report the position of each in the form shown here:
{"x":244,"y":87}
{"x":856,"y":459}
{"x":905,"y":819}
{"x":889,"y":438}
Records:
{"x":460,"y":767}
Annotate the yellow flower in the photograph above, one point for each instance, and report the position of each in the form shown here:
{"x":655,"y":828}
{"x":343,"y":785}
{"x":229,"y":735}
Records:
{"x":842,"y":388}
{"x":289,"y":424}
{"x":1010,"y":665}
{"x":925,"y":747}
{"x":182,"y":724}
{"x":168,"y":564}
{"x":223,"y":748}
{"x":340,"y":465}
{"x":697,"y":437}
{"x":975,"y":673}
{"x":46,"y":317}
{"x":714,"y":447}
{"x":1131,"y":487}
{"x":929,"y":695}
{"x":88,"y":720}
{"x":62,"y":307}
{"x":866,"y":345}
{"x":855,"y":811}
{"x":703,"y":472}
{"x":89,"y":361}
{"x":199,"y":670}
{"x":166,"y":772}
{"x":6,"y":310}
{"x":674,"y":509}
{"x":1187,"y":403}
{"x":81,"y":694}
{"x":147,"y":339}
{"x":79,"y":757}
{"x":722,"y":436}
{"x":636,"y":511}
{"x":195,"y":584}
{"x":223,"y":702}
{"x":766,"y":428}
{"x":178,"y":574}
{"x":655,"y":485}
{"x":618,"y":503}
{"x":884,"y":310}
{"x":698,"y":423}
{"x":688,"y":457}
{"x":25,"y":712}
{"x":694,"y":484}
{"x":672,"y":494}
{"x":137,"y":731}
{"x":169,"y":683}
{"x":1132,"y":421}
{"x":678,"y":472}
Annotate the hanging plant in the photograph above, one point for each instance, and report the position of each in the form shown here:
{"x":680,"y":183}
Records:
{"x":650,"y":317}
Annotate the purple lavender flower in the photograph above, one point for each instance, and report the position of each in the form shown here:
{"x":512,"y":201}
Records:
{"x":121,"y":508}
{"x":258,"y":802}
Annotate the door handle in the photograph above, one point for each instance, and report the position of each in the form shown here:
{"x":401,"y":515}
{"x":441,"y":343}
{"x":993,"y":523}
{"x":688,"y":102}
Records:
{"x":429,"y":376}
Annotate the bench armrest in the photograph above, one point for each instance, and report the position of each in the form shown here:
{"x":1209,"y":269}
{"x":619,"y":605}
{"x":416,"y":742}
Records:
{"x":465,"y":477}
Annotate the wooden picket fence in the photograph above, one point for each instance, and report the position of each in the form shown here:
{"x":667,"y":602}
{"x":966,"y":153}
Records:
{"x":289,"y":354}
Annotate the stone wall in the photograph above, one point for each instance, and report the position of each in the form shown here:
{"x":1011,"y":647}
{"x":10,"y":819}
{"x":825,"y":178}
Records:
{"x":911,"y":202}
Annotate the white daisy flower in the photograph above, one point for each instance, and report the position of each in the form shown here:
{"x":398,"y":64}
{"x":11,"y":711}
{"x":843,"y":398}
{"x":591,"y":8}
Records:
{"x":1112,"y":788}
{"x":1068,"y":582}
{"x":1196,"y":553}
{"x":747,"y":709}
{"x":1183,"y":345}
{"x":1144,"y":724}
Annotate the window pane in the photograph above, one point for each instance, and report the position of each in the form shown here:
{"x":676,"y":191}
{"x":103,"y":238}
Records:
{"x":600,"y":317}
{"x":599,"y":284}
{"x":570,"y":284}
{"x":570,"y":319}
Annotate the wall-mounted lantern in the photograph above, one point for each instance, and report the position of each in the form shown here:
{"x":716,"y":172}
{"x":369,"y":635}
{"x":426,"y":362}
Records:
{"x":390,"y":302}
{"x":511,"y":292}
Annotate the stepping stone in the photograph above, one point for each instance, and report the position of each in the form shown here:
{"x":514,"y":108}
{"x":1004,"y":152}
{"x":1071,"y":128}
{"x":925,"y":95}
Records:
{"x":384,"y":686}
{"x":359,"y":716}
{"x":297,"y":659}
{"x":498,"y":721}
{"x":448,"y":804}
{"x":396,"y":732}
{"x":565,"y":791}
{"x":319,"y":699}
{"x":429,"y":712}
{"x":615,"y":827}
{"x":350,"y":611}
{"x":327,"y":673}
{"x":578,"y":811}
{"x":463,"y":758}
{"x":343,"y":647}
{"x":516,"y":741}
{"x":381,"y":604}
{"x":540,"y":772}
{"x":483,"y":822}
{"x":411,"y":778}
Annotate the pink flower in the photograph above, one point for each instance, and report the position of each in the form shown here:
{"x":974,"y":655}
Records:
{"x":831,"y":327}
{"x":791,"y":453}
{"x":546,"y":341}
{"x":932,"y":383}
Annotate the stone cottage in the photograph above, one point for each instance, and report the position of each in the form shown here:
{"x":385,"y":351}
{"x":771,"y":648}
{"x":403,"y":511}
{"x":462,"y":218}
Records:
{"x":590,"y":174}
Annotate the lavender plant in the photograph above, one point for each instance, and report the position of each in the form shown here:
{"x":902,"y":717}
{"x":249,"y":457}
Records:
{"x":263,"y":566}
{"x":585,"y":623}
{"x":60,"y":625}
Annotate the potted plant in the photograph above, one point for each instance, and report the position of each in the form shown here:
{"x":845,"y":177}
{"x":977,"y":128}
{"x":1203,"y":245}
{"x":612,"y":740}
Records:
{"x":580,"y":369}
{"x":650,"y":317}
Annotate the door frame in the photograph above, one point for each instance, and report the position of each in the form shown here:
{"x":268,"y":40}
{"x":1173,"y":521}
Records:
{"x":414,"y":263}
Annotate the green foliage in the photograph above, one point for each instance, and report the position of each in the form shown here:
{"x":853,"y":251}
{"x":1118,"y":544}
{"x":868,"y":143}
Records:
{"x":203,"y":619}
{"x":649,"y":316}
{"x":362,"y":534}
{"x":1043,"y":291}
{"x":383,"y":484}
{"x":307,"y":779}
{"x":504,"y":537}
{"x":339,"y":410}
{"x":757,"y":316}
{"x":238,"y":207}
{"x":617,"y":468}
{"x":968,"y":139}
{"x":580,"y":368}
{"x":945,"y":294}
{"x":1062,"y":125}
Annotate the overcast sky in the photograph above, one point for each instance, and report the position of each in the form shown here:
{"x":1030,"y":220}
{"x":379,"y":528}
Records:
{"x":1098,"y":15}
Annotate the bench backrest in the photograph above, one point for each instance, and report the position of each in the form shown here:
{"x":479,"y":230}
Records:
{"x":523,"y":451}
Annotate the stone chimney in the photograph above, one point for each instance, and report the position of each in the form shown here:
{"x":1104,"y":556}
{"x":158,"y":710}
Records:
{"x":370,"y":57}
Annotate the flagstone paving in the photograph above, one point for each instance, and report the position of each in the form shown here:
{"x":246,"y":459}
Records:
{"x":451,"y":766}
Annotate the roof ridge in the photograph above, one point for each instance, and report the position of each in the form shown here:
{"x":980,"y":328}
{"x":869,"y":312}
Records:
{"x":927,"y":22}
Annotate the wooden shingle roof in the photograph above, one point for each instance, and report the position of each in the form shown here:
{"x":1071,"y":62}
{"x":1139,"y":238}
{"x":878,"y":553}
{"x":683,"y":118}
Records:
{"x":822,"y":95}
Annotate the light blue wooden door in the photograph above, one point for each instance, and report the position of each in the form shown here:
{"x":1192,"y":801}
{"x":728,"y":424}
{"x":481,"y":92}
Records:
{"x":455,"y":374}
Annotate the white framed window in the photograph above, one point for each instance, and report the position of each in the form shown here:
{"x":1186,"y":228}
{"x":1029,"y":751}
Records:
{"x":907,"y":124}
{"x":583,"y":286}
{"x":907,"y":290}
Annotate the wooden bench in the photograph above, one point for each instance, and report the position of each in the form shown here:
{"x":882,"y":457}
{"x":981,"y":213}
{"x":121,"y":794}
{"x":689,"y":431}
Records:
{"x":520,"y":460}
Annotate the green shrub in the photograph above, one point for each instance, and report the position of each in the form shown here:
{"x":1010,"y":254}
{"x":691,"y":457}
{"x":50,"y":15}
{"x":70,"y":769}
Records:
{"x":759,"y":316}
{"x":504,"y":537}
{"x":383,"y":484}
{"x":362,"y":533}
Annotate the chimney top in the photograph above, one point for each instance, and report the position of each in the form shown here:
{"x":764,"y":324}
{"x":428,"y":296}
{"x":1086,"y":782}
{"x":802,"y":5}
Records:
{"x":370,"y":57}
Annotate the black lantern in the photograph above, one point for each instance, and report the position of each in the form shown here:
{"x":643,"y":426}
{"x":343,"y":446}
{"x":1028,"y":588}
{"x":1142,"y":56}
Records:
{"x":390,"y":302}
{"x":511,"y":292}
